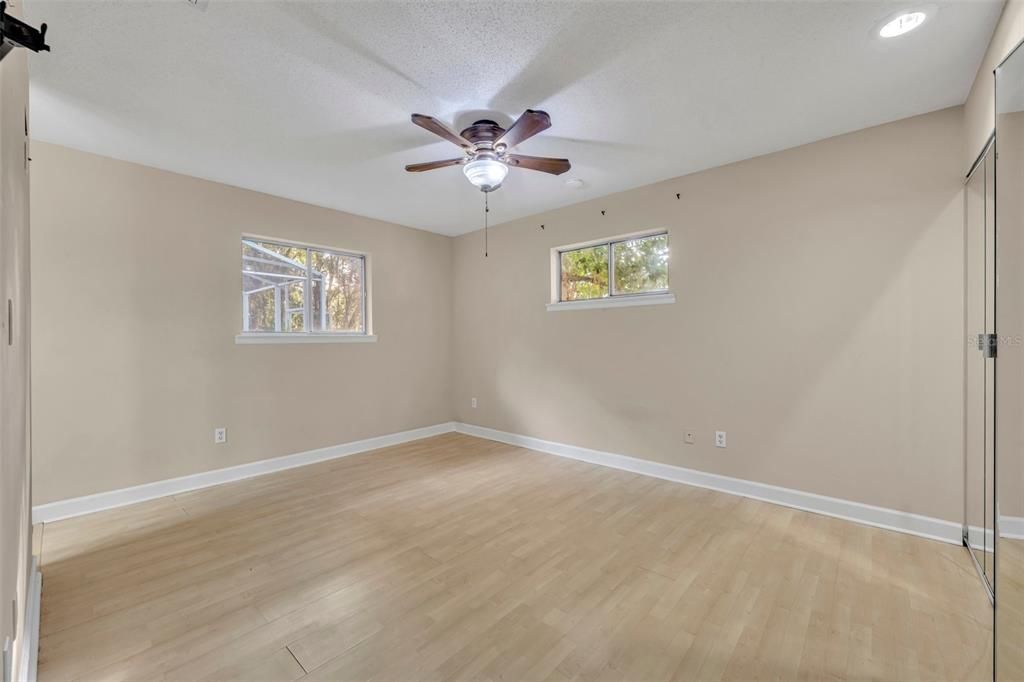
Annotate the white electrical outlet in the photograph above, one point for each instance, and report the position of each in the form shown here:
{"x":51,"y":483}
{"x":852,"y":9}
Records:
{"x":220,"y":435}
{"x":689,"y":438}
{"x":472,"y":403}
{"x":719,"y":439}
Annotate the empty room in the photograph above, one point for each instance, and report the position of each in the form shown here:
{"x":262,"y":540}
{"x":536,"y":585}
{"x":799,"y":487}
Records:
{"x":521,"y":340}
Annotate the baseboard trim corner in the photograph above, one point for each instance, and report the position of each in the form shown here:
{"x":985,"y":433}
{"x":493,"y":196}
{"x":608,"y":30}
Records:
{"x":857,"y":512}
{"x":88,"y":504}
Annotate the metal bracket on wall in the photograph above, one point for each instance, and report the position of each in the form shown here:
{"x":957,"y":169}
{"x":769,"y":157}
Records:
{"x":16,"y":33}
{"x":988,"y":344}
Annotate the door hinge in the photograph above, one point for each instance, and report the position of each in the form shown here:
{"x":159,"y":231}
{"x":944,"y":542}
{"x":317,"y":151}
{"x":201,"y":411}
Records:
{"x":988,"y":344}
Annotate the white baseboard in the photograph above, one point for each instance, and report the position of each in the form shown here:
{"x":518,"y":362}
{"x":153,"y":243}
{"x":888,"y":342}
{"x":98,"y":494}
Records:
{"x":29,"y":655}
{"x":54,"y":511}
{"x":879,"y":517}
{"x":980,"y":538}
{"x":1011,"y":527}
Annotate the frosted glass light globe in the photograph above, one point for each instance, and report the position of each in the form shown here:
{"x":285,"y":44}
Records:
{"x":487,"y":174}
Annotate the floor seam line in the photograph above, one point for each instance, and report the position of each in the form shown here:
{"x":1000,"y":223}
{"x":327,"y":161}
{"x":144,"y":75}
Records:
{"x":288,"y":648}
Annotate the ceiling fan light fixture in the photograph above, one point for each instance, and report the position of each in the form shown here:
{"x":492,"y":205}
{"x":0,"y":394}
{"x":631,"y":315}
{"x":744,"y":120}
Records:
{"x":485,"y":160}
{"x":486,"y":173}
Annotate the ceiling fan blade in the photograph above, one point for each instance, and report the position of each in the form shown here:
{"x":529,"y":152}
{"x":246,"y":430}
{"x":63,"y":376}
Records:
{"x":539,"y":163}
{"x":441,"y":130}
{"x":431,"y":165}
{"x":528,"y":125}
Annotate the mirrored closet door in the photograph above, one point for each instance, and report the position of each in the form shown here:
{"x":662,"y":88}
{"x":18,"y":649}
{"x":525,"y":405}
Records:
{"x":1009,"y":370}
{"x":979,"y":370}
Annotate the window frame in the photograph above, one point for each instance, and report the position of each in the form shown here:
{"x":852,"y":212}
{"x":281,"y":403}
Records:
{"x":612,"y":299}
{"x":308,"y":334}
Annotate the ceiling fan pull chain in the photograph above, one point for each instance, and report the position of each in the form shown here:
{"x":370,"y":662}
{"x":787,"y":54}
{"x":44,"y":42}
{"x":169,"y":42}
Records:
{"x":487,"y":210}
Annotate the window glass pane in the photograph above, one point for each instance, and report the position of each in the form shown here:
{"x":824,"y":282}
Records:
{"x":293,"y":306}
{"x":260,"y":304}
{"x":641,"y":265}
{"x":337,"y":301}
{"x":273,"y":286}
{"x":585,"y":273}
{"x":275,"y":261}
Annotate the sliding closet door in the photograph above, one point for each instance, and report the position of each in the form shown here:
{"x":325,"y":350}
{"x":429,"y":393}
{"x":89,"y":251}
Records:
{"x":988,"y":466}
{"x":979,"y":386}
{"x":1009,"y":582}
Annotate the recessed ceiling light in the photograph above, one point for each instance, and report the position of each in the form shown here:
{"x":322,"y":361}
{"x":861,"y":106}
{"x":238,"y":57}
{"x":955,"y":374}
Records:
{"x":904,"y":23}
{"x":575,"y":183}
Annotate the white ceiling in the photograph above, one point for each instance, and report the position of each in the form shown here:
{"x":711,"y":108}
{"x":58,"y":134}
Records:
{"x":311,"y":100}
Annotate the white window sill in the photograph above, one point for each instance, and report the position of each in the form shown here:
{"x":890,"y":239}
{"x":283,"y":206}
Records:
{"x":615,"y":302}
{"x":298,"y":337}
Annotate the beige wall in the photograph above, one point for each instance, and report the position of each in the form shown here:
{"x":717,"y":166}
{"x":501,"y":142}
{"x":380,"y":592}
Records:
{"x":818,"y":322}
{"x":979,"y":110}
{"x":136,"y":305}
{"x":15,"y":470}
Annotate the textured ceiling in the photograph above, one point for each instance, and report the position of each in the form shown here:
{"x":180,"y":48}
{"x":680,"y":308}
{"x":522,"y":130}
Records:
{"x":311,"y":100}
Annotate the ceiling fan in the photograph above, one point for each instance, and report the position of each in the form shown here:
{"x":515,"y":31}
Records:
{"x":485,"y":144}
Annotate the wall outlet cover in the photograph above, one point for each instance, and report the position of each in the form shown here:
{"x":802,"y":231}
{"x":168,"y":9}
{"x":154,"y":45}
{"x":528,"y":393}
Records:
{"x":220,"y":435}
{"x":719,"y":439}
{"x":689,"y":438}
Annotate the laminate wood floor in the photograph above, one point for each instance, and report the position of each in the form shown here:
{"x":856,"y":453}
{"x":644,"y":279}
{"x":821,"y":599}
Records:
{"x":460,"y":558}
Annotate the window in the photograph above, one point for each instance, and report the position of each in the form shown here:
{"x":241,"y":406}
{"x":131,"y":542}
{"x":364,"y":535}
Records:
{"x":631,"y":267}
{"x":292,"y":291}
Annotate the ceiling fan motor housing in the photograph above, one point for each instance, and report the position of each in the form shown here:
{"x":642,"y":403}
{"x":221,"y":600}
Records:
{"x":483,"y":133}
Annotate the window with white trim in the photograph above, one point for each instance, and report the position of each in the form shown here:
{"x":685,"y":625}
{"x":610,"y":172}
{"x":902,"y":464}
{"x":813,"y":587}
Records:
{"x":295,"y":289}
{"x":630,"y":266}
